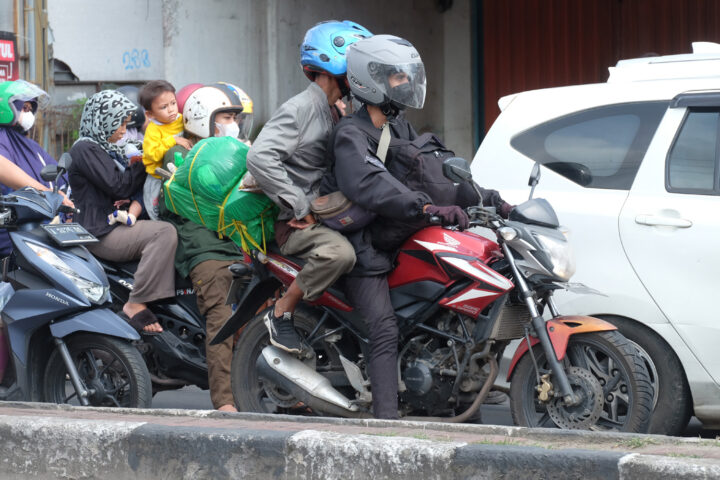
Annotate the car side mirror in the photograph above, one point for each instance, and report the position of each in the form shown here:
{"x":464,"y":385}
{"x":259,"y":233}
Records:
{"x":457,"y":170}
{"x":49,"y":173}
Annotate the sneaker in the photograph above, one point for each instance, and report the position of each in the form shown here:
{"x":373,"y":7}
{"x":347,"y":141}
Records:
{"x":282,"y":332}
{"x":495,"y":397}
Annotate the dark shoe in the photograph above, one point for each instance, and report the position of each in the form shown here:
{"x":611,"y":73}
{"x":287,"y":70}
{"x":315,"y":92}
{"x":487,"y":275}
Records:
{"x":495,"y":397}
{"x":282,"y":332}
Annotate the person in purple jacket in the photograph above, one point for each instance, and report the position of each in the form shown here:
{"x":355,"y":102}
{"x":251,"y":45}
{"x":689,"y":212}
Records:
{"x":19,"y":102}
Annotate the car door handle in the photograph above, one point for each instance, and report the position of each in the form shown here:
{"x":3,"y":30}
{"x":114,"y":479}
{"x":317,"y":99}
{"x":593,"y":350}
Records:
{"x":658,"y":221}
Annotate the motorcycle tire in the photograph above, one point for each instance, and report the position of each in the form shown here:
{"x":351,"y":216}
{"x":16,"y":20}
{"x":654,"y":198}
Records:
{"x":626,"y":404}
{"x":112,"y":369}
{"x":248,"y":390}
{"x":673,"y":407}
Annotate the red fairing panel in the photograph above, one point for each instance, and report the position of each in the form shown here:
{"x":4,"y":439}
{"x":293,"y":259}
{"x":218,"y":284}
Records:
{"x":472,"y":300}
{"x":418,"y":259}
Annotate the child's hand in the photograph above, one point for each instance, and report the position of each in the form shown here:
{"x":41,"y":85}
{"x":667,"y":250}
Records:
{"x":121,"y":203}
{"x":122,"y":217}
{"x":184,"y":142}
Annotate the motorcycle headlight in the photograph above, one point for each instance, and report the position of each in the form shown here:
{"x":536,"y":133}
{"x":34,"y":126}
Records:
{"x":560,"y":254}
{"x":93,"y":291}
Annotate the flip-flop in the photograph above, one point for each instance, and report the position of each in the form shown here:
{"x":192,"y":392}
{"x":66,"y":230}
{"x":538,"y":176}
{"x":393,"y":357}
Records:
{"x":141,"y":320}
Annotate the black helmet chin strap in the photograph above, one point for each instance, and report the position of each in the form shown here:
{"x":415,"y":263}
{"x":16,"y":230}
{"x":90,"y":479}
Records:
{"x":389,"y":110}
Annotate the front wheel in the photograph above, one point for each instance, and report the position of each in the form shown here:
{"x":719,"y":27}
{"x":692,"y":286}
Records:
{"x":607,"y":375}
{"x":113,"y":371}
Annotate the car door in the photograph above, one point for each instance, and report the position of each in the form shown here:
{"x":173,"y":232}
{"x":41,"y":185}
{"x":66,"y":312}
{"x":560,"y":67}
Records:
{"x":670,"y":223}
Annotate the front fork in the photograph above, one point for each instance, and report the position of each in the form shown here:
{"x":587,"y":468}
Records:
{"x":82,"y":392}
{"x":538,"y":323}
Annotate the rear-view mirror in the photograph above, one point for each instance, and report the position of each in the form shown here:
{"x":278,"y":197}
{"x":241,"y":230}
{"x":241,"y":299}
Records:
{"x":457,"y":170}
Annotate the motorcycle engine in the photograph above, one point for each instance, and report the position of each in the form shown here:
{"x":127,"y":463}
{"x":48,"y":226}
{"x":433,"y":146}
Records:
{"x":426,"y":389}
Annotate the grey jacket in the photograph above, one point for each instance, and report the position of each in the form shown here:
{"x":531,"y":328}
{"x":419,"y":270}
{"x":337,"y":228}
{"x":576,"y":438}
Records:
{"x":288,"y":157}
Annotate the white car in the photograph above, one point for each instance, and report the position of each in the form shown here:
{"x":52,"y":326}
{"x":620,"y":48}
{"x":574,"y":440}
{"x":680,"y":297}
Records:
{"x":631,"y":167}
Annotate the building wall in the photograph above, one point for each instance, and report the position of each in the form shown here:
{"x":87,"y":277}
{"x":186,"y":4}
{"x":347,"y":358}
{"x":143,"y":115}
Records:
{"x":255,"y":44}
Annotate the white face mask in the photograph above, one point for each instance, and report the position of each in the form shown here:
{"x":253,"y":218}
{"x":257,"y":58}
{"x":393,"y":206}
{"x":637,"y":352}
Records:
{"x":231,"y":129}
{"x":27,"y":120}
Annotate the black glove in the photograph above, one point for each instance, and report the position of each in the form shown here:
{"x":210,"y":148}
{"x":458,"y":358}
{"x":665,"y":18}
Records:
{"x":452,"y":215}
{"x":505,"y":210}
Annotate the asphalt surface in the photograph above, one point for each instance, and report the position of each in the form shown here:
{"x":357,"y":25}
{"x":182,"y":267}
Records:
{"x":192,"y":398}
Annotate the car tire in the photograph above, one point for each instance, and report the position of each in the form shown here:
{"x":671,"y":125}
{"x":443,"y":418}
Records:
{"x":673,"y":407}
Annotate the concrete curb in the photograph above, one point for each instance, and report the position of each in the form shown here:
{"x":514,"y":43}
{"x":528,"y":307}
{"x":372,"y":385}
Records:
{"x":47,"y":441}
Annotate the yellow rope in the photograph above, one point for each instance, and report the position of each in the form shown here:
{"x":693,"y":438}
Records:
{"x":167,"y":189}
{"x":221,"y":218}
{"x":192,"y":195}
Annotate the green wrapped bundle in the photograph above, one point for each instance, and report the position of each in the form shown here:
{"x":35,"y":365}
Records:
{"x":212,"y":167}
{"x":196,"y":191}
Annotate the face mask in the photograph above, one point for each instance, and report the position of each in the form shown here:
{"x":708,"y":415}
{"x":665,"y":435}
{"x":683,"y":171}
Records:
{"x":402,"y":94}
{"x":27,"y":120}
{"x":231,"y":129}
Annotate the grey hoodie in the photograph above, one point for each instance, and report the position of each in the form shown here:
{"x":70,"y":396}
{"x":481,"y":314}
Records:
{"x":288,"y":157}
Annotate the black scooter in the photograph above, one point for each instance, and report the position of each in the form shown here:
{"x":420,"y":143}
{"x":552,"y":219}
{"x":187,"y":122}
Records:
{"x":175,"y":357}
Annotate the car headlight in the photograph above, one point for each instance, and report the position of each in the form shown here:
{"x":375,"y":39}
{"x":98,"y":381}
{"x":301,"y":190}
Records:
{"x":560,"y":254}
{"x":93,"y":291}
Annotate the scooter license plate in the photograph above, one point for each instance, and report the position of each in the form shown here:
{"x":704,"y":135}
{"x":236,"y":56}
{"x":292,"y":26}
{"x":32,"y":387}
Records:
{"x":67,"y":234}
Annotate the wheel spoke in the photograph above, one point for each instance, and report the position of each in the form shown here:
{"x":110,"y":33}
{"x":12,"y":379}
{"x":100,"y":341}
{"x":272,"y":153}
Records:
{"x":102,"y":372}
{"x":92,"y":362}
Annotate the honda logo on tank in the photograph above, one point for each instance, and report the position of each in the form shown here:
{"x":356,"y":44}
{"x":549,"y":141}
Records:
{"x":8,"y":61}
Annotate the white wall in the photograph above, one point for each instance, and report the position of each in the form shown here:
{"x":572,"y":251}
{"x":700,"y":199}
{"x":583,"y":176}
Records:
{"x":255,"y":44}
{"x":118,"y":41}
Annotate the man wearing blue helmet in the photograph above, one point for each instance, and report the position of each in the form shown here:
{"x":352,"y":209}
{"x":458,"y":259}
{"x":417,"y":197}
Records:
{"x":288,"y":162}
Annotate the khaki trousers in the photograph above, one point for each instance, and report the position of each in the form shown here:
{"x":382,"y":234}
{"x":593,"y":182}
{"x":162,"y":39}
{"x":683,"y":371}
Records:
{"x":328,"y":253}
{"x":152,"y":242}
{"x":211,"y":280}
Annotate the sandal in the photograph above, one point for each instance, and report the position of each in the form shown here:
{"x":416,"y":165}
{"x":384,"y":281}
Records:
{"x":141,"y":320}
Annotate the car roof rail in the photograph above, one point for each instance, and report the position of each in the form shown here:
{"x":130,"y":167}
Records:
{"x":704,"y":62}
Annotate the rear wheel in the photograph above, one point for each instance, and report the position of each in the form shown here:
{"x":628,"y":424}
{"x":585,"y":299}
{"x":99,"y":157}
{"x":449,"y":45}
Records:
{"x":113,"y":370}
{"x":251,"y":393}
{"x":604,"y":370}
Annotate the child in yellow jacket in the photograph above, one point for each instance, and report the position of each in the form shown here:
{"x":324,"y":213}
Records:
{"x":163,"y":132}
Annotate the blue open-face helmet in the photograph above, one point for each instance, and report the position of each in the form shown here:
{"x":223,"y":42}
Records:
{"x":323,"y":49}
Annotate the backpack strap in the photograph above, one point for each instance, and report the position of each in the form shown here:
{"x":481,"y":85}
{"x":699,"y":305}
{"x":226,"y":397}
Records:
{"x":384,"y":143}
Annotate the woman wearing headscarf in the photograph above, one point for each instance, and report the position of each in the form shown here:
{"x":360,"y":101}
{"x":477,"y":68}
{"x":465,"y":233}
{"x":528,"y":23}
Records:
{"x":97,"y":183}
{"x":21,"y":158}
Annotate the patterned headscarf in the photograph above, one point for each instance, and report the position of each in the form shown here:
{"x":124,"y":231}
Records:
{"x":103,"y":114}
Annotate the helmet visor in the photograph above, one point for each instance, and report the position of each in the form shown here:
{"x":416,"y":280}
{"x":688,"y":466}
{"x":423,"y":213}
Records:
{"x":26,"y":91}
{"x":405,"y":82}
{"x":245,"y":121}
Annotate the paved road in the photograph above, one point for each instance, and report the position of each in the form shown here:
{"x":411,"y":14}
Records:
{"x":196,"y":399}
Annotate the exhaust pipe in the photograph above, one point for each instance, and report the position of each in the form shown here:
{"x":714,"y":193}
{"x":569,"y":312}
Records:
{"x":304,"y":383}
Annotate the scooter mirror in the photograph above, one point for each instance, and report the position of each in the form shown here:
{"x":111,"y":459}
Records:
{"x":49,"y":173}
{"x":65,"y":161}
{"x":457,"y":169}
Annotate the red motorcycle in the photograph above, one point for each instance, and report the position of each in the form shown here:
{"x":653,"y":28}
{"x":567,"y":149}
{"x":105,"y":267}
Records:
{"x":460,"y":299}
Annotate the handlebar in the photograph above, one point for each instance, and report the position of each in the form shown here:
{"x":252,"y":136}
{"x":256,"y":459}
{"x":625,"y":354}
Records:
{"x":67,"y":209}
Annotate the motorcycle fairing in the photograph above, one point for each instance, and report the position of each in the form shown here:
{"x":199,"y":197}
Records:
{"x":420,"y":257}
{"x":472,"y":300}
{"x":559,"y":330}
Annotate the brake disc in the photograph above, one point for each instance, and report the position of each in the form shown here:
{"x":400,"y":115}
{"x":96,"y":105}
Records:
{"x":587,"y":412}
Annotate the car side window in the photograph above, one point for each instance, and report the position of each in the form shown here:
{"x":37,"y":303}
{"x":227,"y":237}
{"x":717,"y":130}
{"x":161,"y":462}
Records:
{"x":596,"y":148}
{"x":692,"y":164}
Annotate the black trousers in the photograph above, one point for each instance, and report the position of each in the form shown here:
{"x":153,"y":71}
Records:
{"x":371,"y":297}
